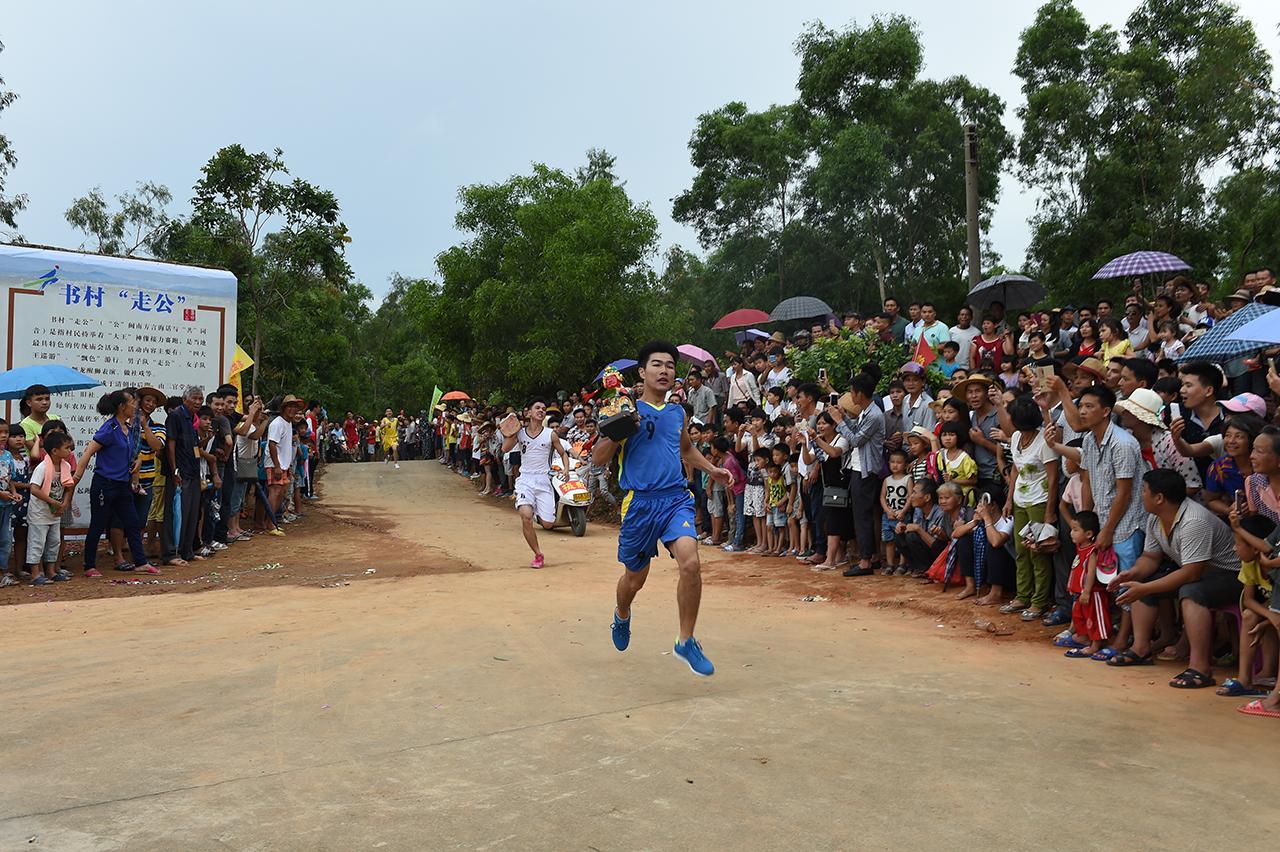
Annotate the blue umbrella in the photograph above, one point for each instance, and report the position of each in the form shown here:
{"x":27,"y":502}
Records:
{"x":59,"y":379}
{"x":1141,"y":263}
{"x":619,"y":365}
{"x":1219,"y":344}
{"x":741,"y":337}
{"x":1263,"y":328}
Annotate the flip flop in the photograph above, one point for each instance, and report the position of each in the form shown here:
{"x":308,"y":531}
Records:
{"x":1255,"y":708}
{"x":1130,"y":657}
{"x":1233,"y":688}
{"x":1192,"y":679}
{"x":1107,"y":653}
{"x":1079,"y":653}
{"x":1067,"y":642}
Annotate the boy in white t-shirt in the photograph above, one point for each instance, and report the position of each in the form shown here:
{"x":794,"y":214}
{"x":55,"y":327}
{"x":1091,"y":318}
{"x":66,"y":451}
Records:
{"x":49,"y":498}
{"x":894,"y":492}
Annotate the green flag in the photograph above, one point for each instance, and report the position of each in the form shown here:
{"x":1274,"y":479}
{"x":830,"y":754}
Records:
{"x":435,"y":398}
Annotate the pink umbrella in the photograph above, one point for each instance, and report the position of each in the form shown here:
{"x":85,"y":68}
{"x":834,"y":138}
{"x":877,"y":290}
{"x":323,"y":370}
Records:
{"x":696,"y":354}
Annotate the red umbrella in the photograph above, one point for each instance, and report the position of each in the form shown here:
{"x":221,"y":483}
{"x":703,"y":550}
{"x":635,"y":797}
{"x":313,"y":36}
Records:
{"x":742,"y":317}
{"x":453,"y":395}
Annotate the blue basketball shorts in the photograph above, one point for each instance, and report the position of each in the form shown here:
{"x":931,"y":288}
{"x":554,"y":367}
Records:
{"x":652,"y":517}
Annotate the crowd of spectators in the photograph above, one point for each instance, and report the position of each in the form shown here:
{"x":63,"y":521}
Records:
{"x":1070,"y":469}
{"x":175,"y":479}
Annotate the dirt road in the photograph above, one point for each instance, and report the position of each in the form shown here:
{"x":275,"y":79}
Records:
{"x":487,"y":709}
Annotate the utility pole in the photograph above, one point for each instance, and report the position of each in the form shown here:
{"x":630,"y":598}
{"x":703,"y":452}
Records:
{"x":971,"y":202}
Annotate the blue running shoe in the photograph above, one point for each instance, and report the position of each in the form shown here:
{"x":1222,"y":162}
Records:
{"x":691,"y":652}
{"x":621,"y":632}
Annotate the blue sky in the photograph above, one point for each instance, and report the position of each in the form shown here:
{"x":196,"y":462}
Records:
{"x":393,"y":106}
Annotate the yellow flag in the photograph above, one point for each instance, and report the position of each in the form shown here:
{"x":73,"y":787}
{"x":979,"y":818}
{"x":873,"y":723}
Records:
{"x":235,"y":382}
{"x":239,"y":363}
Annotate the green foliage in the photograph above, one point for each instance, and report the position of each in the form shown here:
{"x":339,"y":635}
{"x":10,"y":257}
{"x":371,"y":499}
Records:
{"x":887,"y":187}
{"x":11,"y":205}
{"x":749,"y":165}
{"x":135,"y":227}
{"x":844,"y":356}
{"x":552,"y":283}
{"x":856,"y":189}
{"x":1246,"y":218}
{"x":1121,"y":133}
{"x":280,"y":239}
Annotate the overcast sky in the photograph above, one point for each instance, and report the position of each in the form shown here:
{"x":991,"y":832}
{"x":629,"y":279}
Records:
{"x":393,"y":106}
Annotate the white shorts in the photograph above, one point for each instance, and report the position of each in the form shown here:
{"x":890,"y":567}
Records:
{"x":536,"y":491}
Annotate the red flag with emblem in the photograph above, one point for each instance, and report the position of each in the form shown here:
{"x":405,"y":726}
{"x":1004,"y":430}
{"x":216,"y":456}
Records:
{"x":924,"y":355}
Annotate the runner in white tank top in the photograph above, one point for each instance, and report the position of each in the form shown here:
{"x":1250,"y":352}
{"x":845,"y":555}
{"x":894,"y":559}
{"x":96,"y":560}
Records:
{"x":535,"y":498}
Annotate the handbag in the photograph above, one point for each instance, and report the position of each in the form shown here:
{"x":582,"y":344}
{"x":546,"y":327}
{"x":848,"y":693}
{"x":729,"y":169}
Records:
{"x":832,"y":496}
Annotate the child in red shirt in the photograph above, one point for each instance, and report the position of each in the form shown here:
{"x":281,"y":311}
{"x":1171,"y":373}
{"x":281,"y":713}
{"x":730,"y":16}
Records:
{"x":1091,"y":613}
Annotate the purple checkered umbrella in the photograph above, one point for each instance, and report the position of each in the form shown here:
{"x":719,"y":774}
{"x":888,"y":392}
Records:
{"x":1141,"y":263}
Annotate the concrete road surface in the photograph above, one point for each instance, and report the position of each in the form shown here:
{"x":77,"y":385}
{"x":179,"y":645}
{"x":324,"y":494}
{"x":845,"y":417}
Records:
{"x":488,"y":710}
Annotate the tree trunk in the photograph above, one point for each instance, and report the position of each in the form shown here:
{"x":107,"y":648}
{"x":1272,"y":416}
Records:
{"x":879,"y":272}
{"x":781,"y":236}
{"x":257,"y":336}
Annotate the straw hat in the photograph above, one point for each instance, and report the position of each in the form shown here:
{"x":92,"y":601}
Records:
{"x":155,"y":392}
{"x":922,"y":433}
{"x":1090,"y":365}
{"x":963,"y":387}
{"x":1241,"y":295}
{"x":778,"y":337}
{"x":1144,"y":404}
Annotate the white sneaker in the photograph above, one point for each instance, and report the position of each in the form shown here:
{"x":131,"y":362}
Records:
{"x":397,"y":465}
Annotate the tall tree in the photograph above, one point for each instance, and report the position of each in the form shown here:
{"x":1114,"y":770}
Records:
{"x":279,"y":237}
{"x":749,"y":165}
{"x":11,"y":205}
{"x":601,"y":165}
{"x":888,"y":182}
{"x":132,"y":229}
{"x":1123,"y":132}
{"x":551,"y":283}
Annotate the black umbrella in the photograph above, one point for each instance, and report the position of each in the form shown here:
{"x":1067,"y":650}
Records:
{"x":1015,"y":291}
{"x":800,"y":307}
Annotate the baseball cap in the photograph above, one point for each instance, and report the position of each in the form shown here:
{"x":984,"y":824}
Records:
{"x":1247,"y":403}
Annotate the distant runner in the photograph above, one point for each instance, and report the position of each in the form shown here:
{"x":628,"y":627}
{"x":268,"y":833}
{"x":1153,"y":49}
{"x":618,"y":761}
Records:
{"x":388,"y":429}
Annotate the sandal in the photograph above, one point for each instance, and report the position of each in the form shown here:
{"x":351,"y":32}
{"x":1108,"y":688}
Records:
{"x":1012,"y":606}
{"x":1192,"y":679}
{"x":1255,"y":708}
{"x":92,"y":572}
{"x":1031,"y":615}
{"x":1079,"y":653}
{"x":1130,"y":657}
{"x":1107,"y":653}
{"x":1233,"y":688}
{"x":1067,"y":641}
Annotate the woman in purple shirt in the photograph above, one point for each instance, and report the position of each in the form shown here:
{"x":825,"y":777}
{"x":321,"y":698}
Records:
{"x":110,"y":492}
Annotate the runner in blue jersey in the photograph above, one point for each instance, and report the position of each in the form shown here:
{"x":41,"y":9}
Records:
{"x":658,"y":506}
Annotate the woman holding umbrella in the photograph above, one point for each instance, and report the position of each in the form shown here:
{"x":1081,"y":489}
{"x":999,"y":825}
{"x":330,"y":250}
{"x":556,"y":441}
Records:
{"x":111,"y":492}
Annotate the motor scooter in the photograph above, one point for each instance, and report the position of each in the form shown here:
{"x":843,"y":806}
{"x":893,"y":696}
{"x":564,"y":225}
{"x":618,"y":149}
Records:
{"x":572,"y":496}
